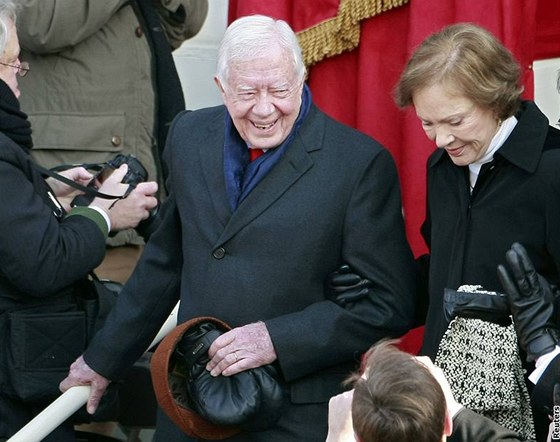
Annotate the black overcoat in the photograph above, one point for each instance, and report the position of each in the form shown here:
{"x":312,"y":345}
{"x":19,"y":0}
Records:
{"x":516,"y":198}
{"x":333,"y":197}
{"x":42,"y":257}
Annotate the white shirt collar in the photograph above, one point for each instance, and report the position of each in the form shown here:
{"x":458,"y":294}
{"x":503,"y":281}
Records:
{"x":498,"y":140}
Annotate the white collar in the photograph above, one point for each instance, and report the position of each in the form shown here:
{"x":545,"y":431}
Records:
{"x":504,"y":131}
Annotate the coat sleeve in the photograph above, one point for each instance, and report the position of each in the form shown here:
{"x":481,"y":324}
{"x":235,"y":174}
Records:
{"x":469,"y":426}
{"x":145,"y":302}
{"x":374,"y":245}
{"x":49,"y":26}
{"x":148,"y":297}
{"x":543,"y":393}
{"x":40,"y":254}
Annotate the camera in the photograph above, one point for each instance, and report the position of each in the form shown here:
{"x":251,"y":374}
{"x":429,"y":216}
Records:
{"x":135,"y":175}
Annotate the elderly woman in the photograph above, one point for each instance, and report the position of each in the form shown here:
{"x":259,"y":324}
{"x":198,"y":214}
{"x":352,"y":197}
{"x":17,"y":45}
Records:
{"x":47,"y":253}
{"x":493,"y":178}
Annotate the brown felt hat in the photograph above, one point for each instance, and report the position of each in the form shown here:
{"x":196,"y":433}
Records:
{"x":171,"y":395}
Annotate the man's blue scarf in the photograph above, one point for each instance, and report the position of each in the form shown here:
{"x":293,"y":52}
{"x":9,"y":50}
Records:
{"x":242,"y":175}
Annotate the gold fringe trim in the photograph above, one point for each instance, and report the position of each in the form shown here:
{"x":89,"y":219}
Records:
{"x":341,"y":33}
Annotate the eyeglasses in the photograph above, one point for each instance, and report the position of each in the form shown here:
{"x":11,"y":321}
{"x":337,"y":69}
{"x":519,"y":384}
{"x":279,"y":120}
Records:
{"x":22,"y":69}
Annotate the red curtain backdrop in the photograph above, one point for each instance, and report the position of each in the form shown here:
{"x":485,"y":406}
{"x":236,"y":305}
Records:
{"x":355,"y":87}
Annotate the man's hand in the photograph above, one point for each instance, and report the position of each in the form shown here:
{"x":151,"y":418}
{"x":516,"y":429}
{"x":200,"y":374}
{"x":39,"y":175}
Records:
{"x":127,"y":212}
{"x":65,"y":193}
{"x":240,"y":349}
{"x":532,"y":303}
{"x":77,"y":174}
{"x":340,"y":418}
{"x":81,"y":374}
{"x":344,"y":286}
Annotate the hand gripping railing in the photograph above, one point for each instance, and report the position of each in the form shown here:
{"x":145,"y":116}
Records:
{"x":72,"y":399}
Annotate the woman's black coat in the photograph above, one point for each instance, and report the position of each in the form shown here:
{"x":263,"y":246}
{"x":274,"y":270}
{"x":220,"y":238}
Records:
{"x":516,"y":198}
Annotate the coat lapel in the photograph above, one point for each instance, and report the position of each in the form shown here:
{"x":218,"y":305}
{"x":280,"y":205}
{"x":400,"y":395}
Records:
{"x":212,"y":161}
{"x":294,"y":164}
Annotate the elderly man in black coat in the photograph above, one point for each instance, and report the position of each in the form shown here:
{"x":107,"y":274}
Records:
{"x":252,"y":242}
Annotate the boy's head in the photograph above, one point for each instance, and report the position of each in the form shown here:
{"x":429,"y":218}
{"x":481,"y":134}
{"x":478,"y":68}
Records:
{"x":398,"y":399}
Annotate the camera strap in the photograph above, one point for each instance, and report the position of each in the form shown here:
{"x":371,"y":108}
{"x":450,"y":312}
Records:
{"x":89,"y":191}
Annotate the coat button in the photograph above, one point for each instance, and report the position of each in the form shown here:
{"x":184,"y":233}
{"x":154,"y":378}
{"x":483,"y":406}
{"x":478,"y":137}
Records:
{"x":219,"y":253}
{"x":116,"y":141}
{"x":139,"y":31}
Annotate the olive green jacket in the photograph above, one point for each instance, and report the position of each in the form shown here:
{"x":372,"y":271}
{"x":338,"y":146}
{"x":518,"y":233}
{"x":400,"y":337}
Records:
{"x":90,"y":92}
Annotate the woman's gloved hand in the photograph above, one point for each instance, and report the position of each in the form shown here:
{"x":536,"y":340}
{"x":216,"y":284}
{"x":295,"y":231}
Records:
{"x":344,"y":286}
{"x":531,"y":299}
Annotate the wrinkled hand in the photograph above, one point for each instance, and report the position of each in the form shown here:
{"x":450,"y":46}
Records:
{"x":128,"y":212}
{"x":340,"y":418}
{"x":81,"y":374}
{"x":532,"y":303}
{"x":344,"y":286}
{"x":240,"y":349}
{"x":65,"y":193}
{"x":453,"y":407}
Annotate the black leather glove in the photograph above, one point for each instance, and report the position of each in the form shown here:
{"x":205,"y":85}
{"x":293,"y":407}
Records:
{"x":477,"y":304}
{"x":344,"y":287}
{"x":531,"y":299}
{"x":251,"y":399}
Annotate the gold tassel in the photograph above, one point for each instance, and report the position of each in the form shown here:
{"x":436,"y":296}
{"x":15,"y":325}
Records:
{"x":341,"y":33}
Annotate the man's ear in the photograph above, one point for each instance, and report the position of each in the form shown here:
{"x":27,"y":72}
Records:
{"x":219,"y":84}
{"x":448,"y":424}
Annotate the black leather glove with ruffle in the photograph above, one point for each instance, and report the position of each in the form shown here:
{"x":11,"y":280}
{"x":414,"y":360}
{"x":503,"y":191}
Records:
{"x":476,"y":303}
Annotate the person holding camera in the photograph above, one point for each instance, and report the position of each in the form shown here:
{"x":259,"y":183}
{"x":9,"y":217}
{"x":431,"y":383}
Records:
{"x":48,"y":250}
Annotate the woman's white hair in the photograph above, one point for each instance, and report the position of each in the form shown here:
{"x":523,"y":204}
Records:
{"x":251,"y":37}
{"x":8,"y":13}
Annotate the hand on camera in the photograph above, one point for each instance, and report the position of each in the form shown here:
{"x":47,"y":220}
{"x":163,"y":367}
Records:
{"x":77,"y":174}
{"x":340,"y":418}
{"x":65,"y":193}
{"x":127,"y":212}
